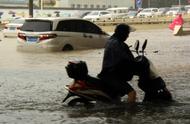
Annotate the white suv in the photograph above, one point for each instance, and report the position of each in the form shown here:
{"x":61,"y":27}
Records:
{"x":58,"y":34}
{"x":176,"y":10}
{"x":98,"y":16}
{"x":148,"y":12}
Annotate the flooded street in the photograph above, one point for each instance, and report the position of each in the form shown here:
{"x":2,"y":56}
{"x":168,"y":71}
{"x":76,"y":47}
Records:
{"x":32,"y":84}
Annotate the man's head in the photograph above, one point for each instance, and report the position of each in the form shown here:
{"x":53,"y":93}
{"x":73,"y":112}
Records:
{"x":122,"y":31}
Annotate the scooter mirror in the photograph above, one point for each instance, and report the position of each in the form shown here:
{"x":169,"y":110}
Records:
{"x":136,"y":46}
{"x":144,"y":45}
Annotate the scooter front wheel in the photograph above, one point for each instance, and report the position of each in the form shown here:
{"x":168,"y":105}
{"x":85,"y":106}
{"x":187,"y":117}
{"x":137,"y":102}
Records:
{"x":79,"y":101}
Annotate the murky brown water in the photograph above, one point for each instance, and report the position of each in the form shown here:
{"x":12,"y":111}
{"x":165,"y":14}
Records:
{"x":32,"y":85}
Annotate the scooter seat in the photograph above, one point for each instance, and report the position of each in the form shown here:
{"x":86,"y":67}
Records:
{"x":94,"y":80}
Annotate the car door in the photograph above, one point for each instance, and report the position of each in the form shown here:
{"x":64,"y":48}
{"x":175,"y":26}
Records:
{"x":93,"y":35}
{"x":69,"y":34}
{"x":80,"y":34}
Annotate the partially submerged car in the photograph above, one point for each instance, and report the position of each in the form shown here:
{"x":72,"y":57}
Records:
{"x":60,"y":34}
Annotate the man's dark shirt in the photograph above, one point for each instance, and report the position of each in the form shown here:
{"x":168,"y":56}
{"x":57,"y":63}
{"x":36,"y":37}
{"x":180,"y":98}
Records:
{"x":117,"y":66}
{"x":118,"y":60}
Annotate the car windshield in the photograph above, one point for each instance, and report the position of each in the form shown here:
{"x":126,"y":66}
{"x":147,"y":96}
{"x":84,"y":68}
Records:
{"x":93,"y":13}
{"x":132,"y":13}
{"x":37,"y":25}
{"x":175,"y":8}
{"x":1,"y":13}
{"x":161,"y":9}
{"x":187,"y":8}
{"x":104,"y":13}
{"x":146,"y":10}
{"x":18,"y":21}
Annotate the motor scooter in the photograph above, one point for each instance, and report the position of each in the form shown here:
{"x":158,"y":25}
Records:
{"x":150,"y":81}
{"x":86,"y":89}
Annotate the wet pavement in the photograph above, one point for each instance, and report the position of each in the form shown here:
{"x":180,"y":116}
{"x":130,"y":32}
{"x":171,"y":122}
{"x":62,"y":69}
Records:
{"x":32,"y":84}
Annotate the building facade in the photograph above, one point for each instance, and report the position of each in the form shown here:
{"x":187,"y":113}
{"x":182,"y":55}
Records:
{"x":25,"y":2}
{"x":163,"y":3}
{"x":13,"y":2}
{"x":95,"y":4}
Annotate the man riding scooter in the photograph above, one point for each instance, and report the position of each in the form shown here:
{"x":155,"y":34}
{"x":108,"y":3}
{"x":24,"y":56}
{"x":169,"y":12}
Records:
{"x":118,"y":65}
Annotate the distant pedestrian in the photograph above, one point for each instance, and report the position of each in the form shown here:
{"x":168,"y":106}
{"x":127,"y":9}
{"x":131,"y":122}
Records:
{"x":177,"y":21}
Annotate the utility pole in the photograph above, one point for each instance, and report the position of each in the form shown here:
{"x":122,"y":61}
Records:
{"x":30,"y":6}
{"x":148,"y":3}
{"x":42,"y":4}
{"x":179,"y":3}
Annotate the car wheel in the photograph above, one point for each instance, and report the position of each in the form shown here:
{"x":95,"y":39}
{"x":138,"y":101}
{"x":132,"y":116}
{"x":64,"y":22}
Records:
{"x":67,"y":47}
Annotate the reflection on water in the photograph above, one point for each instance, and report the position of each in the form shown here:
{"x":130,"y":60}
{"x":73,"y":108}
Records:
{"x":32,"y":85}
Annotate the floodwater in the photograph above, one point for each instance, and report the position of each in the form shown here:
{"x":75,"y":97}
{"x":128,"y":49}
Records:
{"x":32,"y":85}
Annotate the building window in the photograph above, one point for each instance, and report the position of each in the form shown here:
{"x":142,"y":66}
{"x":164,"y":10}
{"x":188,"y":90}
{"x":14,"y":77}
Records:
{"x":85,"y":6}
{"x":78,"y":5}
{"x":97,"y":6}
{"x":103,"y":6}
{"x":91,"y":6}
{"x":73,"y":6}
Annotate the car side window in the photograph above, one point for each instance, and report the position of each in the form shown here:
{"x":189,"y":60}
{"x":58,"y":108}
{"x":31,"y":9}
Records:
{"x":66,"y":26}
{"x":78,"y":26}
{"x":104,"y":13}
{"x":88,"y":27}
{"x":155,"y":10}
